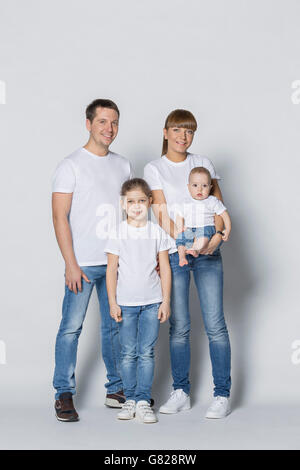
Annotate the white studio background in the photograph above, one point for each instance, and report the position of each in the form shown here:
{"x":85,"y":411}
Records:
{"x":233,"y":64}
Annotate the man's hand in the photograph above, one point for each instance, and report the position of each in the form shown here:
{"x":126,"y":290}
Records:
{"x":213,"y":244}
{"x":73,"y":277}
{"x":164,"y":312}
{"x":116,"y":312}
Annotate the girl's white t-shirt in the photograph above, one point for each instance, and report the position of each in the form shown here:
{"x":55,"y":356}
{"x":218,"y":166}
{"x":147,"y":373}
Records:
{"x":95,"y":183}
{"x":200,"y":213}
{"x":172,"y":178}
{"x":137,"y":247}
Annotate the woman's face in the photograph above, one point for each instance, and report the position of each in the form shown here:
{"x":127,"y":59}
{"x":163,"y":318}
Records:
{"x":179,"y":139}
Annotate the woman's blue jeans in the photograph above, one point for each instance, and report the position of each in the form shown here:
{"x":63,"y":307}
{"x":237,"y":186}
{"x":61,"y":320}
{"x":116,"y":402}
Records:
{"x":73,"y":315}
{"x":139,"y":330}
{"x":208,"y":276}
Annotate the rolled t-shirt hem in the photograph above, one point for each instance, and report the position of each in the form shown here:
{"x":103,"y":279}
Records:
{"x":138,"y":304}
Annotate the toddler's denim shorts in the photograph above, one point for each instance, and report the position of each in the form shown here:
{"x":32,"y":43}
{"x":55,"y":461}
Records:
{"x":186,"y":238}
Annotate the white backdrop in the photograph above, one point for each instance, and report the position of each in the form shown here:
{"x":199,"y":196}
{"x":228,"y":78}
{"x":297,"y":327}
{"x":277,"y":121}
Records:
{"x":232,"y":64}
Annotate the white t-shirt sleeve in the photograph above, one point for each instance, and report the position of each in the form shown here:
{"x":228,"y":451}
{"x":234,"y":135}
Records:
{"x":152,"y":177}
{"x":64,"y":178}
{"x":217,"y":206}
{"x":131,"y":171}
{"x":209,"y":165}
{"x":112,"y":244}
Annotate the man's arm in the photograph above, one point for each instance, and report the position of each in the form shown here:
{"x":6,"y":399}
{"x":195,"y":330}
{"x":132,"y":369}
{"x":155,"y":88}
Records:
{"x":61,"y":205}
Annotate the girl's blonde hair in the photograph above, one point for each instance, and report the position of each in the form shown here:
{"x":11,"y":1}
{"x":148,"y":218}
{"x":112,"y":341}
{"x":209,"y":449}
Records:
{"x":179,"y":118}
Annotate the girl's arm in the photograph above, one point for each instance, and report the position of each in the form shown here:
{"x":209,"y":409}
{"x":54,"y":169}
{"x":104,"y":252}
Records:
{"x":165,"y":276}
{"x":179,"y":223}
{"x":111,"y":286}
{"x":227,"y":221}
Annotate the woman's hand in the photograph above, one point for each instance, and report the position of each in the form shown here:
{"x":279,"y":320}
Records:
{"x":213,"y":245}
{"x":116,"y":312}
{"x":164,"y":312}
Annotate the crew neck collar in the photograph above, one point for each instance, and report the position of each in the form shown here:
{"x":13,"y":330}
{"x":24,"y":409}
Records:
{"x":94,"y":156}
{"x":132,"y":227}
{"x":170,"y":162}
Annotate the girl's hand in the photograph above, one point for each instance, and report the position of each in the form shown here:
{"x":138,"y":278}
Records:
{"x":164,"y":312}
{"x":226,"y":233}
{"x":116,"y":312}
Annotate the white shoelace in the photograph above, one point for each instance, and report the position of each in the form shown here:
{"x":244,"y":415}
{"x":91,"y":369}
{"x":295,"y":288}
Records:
{"x":219,"y":401}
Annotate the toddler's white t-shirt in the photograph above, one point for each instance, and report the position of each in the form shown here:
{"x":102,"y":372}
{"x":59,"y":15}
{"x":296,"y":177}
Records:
{"x":172,"y":178}
{"x":95,"y":183}
{"x":198,"y":213}
{"x":137,"y":247}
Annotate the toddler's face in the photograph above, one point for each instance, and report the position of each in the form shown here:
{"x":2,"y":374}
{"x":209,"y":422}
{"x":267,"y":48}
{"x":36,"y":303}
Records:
{"x":199,"y":186}
{"x":136,"y":204}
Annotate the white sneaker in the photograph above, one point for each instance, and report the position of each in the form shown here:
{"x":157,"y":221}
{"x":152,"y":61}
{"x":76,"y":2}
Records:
{"x":178,"y":401}
{"x":144,"y":413}
{"x":128,"y":410}
{"x":219,"y":408}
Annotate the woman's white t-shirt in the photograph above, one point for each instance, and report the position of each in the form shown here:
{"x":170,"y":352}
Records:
{"x":200,"y":213}
{"x":172,"y":179}
{"x":137,"y":247}
{"x":95,"y":183}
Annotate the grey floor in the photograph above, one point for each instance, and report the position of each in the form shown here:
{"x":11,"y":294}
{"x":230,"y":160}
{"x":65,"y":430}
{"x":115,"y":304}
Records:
{"x":248,"y":427}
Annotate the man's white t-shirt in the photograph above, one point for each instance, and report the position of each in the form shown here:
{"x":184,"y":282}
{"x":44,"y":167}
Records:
{"x":172,"y":178}
{"x":199,"y":213}
{"x":137,"y":247}
{"x":95,"y":183}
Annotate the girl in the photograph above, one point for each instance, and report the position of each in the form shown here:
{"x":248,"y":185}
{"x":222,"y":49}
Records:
{"x":167,"y":177}
{"x":139,"y":299}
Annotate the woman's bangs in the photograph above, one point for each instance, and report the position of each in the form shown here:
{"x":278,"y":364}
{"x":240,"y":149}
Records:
{"x":182,"y":118}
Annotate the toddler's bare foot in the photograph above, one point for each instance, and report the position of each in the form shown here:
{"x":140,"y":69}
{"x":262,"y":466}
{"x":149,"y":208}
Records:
{"x":183,"y":261}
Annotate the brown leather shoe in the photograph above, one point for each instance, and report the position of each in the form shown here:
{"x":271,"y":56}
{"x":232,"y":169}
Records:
{"x":64,"y":408}
{"x":116,"y":400}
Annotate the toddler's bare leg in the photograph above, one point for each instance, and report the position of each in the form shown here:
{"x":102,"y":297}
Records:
{"x":200,"y":243}
{"x":182,"y":257}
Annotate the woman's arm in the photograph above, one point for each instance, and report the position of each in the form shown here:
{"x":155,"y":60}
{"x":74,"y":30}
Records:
{"x":159,"y":207}
{"x":111,"y":286}
{"x":227,"y":221}
{"x":219,"y":224}
{"x":165,"y":276}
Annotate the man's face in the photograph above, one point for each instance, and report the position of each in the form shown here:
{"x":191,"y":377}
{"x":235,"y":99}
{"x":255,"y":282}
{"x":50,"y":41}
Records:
{"x":104,"y":127}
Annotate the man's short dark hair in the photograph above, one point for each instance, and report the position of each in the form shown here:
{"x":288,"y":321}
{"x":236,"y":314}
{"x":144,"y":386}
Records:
{"x":90,"y":111}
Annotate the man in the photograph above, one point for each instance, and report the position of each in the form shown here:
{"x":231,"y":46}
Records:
{"x":85,"y":199}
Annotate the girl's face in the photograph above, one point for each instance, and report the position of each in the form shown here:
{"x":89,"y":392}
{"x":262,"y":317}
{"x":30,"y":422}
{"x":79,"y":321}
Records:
{"x":136,"y":204}
{"x":179,"y":138}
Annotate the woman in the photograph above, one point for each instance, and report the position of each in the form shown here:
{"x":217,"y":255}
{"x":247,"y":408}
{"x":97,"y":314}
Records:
{"x":168,"y":178}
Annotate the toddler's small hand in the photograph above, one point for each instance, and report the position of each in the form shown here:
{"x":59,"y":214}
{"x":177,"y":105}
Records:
{"x":116,"y":313}
{"x":164,"y":312}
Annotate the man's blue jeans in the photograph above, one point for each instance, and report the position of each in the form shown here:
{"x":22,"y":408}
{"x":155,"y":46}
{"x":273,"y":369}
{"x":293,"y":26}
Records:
{"x":208,"y":276}
{"x":73,"y":314}
{"x":139,"y":330}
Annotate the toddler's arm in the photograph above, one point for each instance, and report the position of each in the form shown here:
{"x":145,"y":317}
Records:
{"x":165,"y":276}
{"x":111,"y":285}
